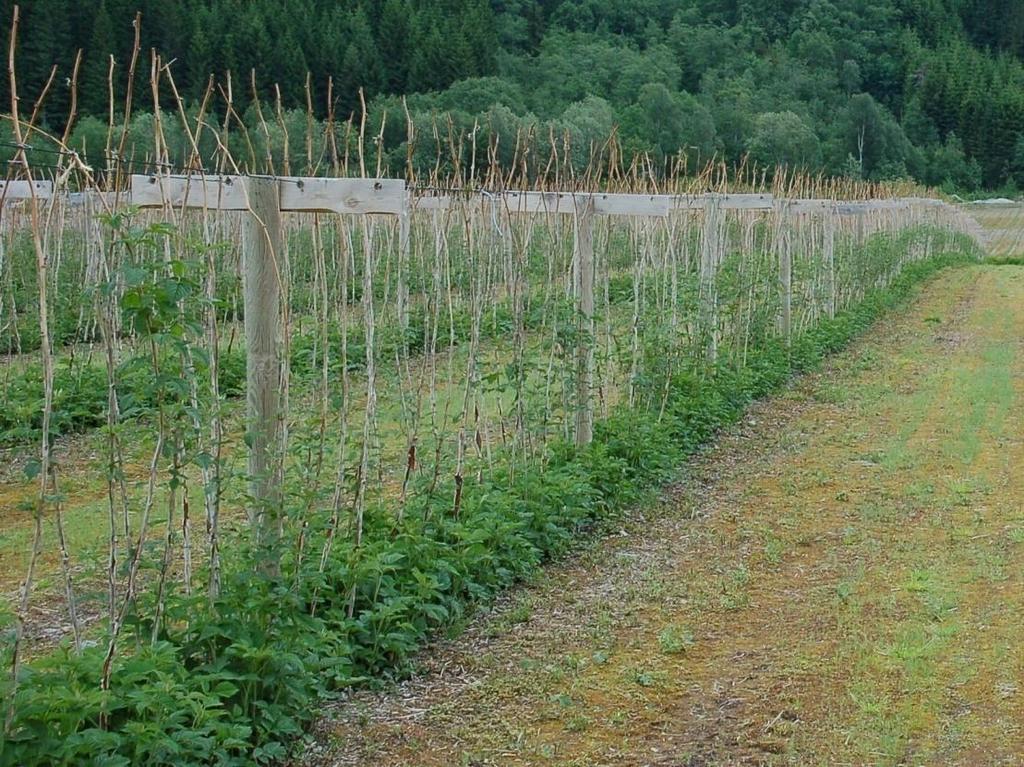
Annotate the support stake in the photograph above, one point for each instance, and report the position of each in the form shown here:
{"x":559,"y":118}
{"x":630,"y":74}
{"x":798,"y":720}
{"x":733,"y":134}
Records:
{"x":262,"y":246}
{"x":584,"y":275}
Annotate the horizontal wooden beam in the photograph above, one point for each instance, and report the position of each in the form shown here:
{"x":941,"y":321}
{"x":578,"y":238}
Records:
{"x":26,"y":190}
{"x":346,"y":196}
{"x":563,"y":203}
{"x":806,"y":207}
{"x":94,"y":197}
{"x":871,"y":206}
{"x":889,"y":205}
{"x":557,"y":203}
{"x":731,"y":201}
{"x":191,"y":191}
{"x":605,"y":203}
{"x":928,"y":202}
{"x":352,"y":196}
{"x":640,"y":205}
{"x":355,"y":196}
{"x":432,"y":202}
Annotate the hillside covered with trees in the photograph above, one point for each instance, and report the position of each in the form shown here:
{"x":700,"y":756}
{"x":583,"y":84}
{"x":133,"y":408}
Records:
{"x":876,"y":89}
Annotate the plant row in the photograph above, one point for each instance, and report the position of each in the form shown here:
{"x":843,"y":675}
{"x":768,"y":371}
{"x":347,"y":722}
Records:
{"x":237,"y":679}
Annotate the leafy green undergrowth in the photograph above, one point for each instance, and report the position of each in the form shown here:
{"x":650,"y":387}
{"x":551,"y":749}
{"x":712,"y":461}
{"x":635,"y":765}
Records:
{"x":80,"y":397}
{"x":81,"y":392}
{"x":238,"y":681}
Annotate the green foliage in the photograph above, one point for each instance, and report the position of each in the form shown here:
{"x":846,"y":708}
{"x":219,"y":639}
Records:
{"x":160,"y":307}
{"x":783,"y":138}
{"x":949,"y":167}
{"x":868,"y":138}
{"x":70,"y":307}
{"x":663,"y":123}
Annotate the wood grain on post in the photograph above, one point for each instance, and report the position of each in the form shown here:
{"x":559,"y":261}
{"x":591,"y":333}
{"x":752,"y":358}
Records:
{"x":402,"y":297}
{"x":584,"y":275}
{"x":712,"y":245}
{"x":261,"y":249}
{"x":786,"y":285}
{"x":830,"y":260}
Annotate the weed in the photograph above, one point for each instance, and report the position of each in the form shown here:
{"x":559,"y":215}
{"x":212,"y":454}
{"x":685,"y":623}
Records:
{"x":236,"y":679}
{"x":844,"y":590}
{"x":578,"y":723}
{"x":675,"y":639}
{"x":774,"y":548}
{"x":920,"y":581}
{"x":644,"y":677}
{"x":518,"y":614}
{"x":562,"y":700}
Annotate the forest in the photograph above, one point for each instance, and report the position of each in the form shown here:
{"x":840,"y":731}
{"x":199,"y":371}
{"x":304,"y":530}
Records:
{"x":874,"y":89}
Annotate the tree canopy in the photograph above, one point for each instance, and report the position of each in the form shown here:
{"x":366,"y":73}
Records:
{"x":930,"y":89}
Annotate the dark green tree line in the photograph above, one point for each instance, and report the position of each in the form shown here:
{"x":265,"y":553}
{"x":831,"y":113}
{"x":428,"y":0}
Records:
{"x":930,"y":89}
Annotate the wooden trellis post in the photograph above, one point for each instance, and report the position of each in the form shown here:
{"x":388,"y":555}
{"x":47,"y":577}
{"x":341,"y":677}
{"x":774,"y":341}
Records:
{"x":786,"y":286}
{"x":264,"y":198}
{"x":584,"y":273}
{"x":262,"y":246}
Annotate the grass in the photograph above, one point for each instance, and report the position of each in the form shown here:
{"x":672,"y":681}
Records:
{"x":675,"y":639}
{"x":854,"y":577}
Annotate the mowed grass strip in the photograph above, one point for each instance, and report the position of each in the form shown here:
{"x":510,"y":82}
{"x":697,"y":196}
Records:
{"x":838,"y":582}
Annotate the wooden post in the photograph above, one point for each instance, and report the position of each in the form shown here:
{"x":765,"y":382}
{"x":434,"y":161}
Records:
{"x":262,"y":247}
{"x":710,"y":258}
{"x":584,"y":277}
{"x":830,"y":259}
{"x":786,"y":285}
{"x":402,"y":297}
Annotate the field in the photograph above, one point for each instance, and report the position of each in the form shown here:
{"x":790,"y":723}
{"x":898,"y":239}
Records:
{"x":480,"y":375}
{"x":443,"y":402}
{"x":837,"y":582}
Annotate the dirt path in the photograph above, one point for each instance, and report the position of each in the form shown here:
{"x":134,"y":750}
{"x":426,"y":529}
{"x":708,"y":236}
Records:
{"x":840,"y":581}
